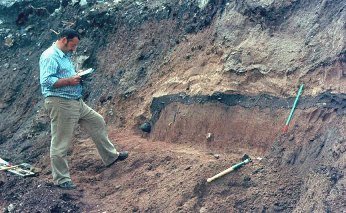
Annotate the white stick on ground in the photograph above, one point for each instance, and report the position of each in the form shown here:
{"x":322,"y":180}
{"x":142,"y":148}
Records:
{"x":234,"y":167}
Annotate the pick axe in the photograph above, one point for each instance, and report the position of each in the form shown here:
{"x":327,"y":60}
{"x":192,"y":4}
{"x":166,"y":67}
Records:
{"x":246,"y":159}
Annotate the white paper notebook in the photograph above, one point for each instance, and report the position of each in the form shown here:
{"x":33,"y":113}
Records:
{"x":86,"y":72}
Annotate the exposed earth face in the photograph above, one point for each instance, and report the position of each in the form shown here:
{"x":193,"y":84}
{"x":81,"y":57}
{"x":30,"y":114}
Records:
{"x":215,"y":80}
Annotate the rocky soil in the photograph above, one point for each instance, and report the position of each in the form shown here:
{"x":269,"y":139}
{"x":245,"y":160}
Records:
{"x":215,"y":79}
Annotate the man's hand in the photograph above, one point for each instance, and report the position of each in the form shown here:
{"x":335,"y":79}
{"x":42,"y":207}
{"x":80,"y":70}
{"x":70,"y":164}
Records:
{"x":72,"y":81}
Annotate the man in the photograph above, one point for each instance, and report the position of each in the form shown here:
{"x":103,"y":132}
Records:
{"x":62,"y":90}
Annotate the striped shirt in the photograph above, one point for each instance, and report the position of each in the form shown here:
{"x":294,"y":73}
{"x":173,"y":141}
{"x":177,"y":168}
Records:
{"x":54,"y":65}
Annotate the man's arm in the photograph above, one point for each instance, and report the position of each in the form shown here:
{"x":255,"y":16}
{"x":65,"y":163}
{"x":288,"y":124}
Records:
{"x":62,"y":82}
{"x":48,"y":77}
{"x":48,"y":69}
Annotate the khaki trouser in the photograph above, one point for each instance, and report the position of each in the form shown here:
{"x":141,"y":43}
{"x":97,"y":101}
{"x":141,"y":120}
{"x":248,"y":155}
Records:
{"x":64,"y":115}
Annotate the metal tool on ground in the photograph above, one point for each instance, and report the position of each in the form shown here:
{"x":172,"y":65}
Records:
{"x":23,"y":169}
{"x":245,"y":160}
{"x":4,"y":168}
{"x":293,"y":108}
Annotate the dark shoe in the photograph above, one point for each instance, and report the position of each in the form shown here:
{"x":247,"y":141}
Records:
{"x":67,"y":185}
{"x":122,"y":156}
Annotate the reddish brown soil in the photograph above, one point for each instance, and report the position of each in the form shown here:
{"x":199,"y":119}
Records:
{"x":153,"y":171}
{"x":171,"y":176}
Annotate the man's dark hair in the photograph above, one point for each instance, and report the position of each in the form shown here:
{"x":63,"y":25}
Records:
{"x":69,"y":34}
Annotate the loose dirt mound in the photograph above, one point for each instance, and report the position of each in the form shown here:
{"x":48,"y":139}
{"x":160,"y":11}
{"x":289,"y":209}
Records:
{"x":161,"y":176}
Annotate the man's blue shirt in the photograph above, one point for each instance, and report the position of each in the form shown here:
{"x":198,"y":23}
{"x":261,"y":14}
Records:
{"x":54,"y":65}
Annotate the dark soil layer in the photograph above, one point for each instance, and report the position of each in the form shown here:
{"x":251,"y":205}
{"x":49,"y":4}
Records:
{"x":226,"y":122}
